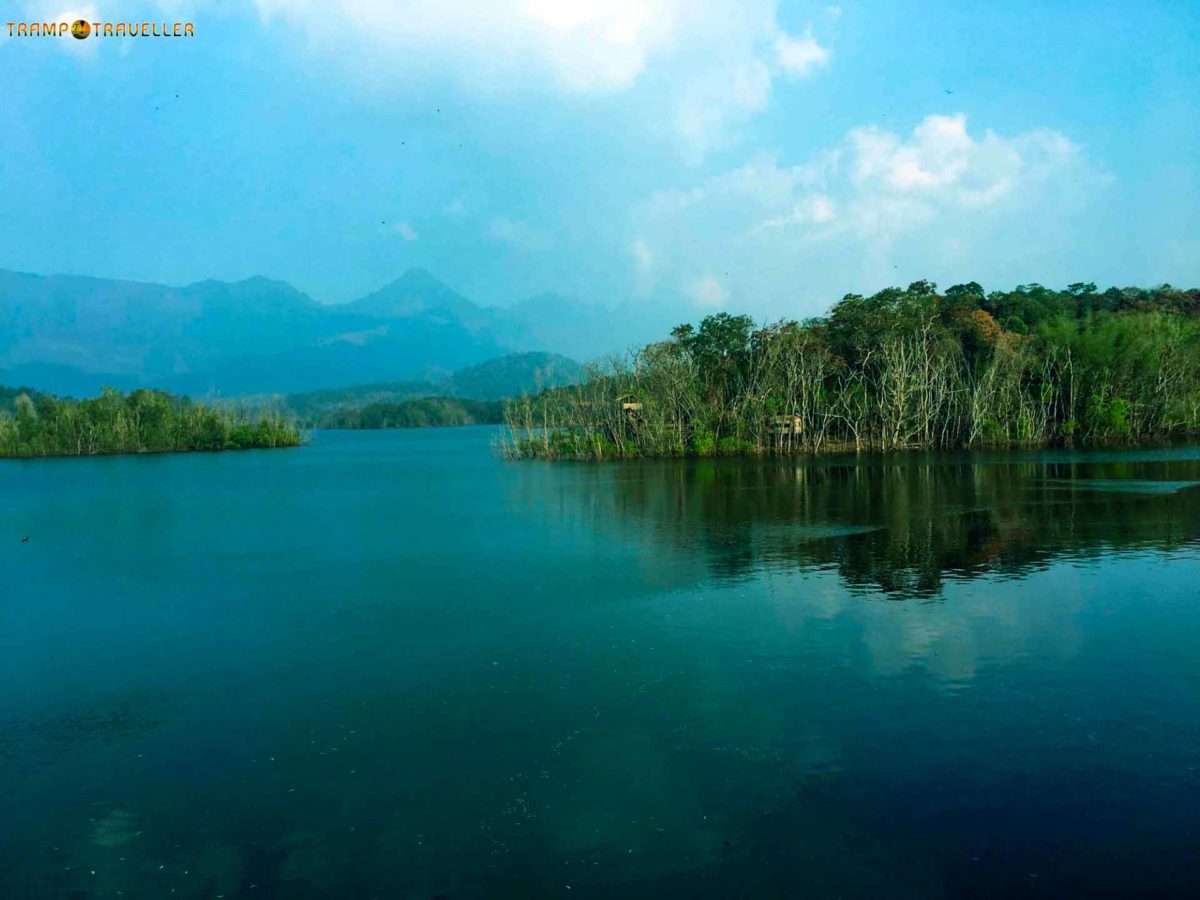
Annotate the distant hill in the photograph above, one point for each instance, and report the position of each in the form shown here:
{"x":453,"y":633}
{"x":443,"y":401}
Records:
{"x":310,"y":405}
{"x":513,"y":375}
{"x":495,"y":379}
{"x":72,"y":334}
{"x":141,"y":331}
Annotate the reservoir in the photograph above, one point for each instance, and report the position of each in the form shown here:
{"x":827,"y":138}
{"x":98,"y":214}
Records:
{"x":388,"y":664}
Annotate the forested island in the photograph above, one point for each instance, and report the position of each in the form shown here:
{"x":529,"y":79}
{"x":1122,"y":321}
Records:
{"x":905,"y":368}
{"x":426,"y":412}
{"x":470,"y":396}
{"x":142,"y":421}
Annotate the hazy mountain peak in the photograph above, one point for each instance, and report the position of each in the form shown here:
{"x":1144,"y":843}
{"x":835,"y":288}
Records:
{"x":419,"y":275}
{"x":262,"y":282}
{"x":415,"y":292}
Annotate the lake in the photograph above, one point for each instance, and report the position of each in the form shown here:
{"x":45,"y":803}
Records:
{"x":391,"y":665}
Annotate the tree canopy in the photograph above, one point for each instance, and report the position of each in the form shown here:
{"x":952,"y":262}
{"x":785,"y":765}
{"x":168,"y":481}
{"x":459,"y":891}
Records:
{"x":142,"y":421}
{"x":904,"y":368}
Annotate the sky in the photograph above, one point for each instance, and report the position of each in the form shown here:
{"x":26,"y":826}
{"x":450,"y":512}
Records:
{"x":752,"y":156}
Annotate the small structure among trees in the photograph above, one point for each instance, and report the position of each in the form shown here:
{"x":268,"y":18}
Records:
{"x":631,"y":408}
{"x":906,"y":368}
{"x":788,"y":429}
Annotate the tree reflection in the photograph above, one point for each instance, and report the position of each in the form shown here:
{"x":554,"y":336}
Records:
{"x":899,"y":524}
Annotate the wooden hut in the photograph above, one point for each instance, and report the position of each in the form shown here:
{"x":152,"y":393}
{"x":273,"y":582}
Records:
{"x":631,"y":407}
{"x":789,"y":430}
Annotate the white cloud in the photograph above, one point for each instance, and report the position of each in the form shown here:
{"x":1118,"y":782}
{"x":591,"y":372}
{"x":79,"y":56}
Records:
{"x":519,"y":234}
{"x":881,"y":178}
{"x":938,"y":154}
{"x":644,"y":275}
{"x":941,"y":167}
{"x":404,"y":230}
{"x":814,"y":209}
{"x":800,"y":56}
{"x":706,"y":291}
{"x":703,"y":68}
{"x":642,"y":255}
{"x":874,"y":208}
{"x":713,"y":105}
{"x":584,"y":45}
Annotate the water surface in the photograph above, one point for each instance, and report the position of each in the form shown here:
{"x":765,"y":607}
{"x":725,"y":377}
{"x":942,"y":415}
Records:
{"x":389,"y":665}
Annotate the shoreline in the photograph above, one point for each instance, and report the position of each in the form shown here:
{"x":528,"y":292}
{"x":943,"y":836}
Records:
{"x":513,"y":452}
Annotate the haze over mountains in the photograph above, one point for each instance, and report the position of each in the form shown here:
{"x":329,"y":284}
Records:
{"x":72,"y":334}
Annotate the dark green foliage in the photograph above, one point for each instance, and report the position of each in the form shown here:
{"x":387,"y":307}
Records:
{"x":9,"y":395}
{"x":513,"y":375}
{"x":424,"y":413}
{"x":142,"y":421}
{"x":312,"y":406}
{"x":905,"y":368}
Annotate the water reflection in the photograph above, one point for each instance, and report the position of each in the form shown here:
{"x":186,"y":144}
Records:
{"x":900,"y":525}
{"x":651,"y":680}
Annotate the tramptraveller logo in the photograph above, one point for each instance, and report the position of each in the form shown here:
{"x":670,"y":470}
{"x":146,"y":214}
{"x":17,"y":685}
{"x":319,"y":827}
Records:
{"x":81,"y":29}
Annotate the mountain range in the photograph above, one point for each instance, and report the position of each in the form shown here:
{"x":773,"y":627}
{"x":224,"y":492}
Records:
{"x":72,"y":334}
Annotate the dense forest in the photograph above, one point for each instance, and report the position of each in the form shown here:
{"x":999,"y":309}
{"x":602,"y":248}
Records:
{"x":143,"y":421}
{"x":904,"y":368}
{"x":422,"y":413}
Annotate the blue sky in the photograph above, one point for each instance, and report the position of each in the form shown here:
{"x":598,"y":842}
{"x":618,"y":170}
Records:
{"x":752,"y":156}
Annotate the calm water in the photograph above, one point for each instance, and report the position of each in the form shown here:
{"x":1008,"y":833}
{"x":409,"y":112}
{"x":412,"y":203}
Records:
{"x":388,"y":665}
